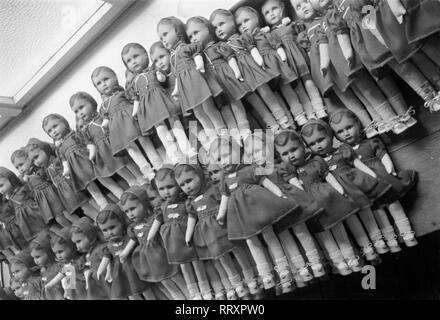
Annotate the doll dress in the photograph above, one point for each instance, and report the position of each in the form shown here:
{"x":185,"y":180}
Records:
{"x":10,"y":234}
{"x":421,"y":19}
{"x":97,"y":289}
{"x":47,"y":274}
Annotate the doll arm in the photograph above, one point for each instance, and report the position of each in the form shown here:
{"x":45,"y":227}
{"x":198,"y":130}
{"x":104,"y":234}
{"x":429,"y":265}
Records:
{"x":222,"y":209}
{"x":190,"y":229}
{"x":92,"y":152}
{"x":175,"y":93}
{"x":324,"y":58}
{"x":363,"y":167}
{"x":135,"y":108}
{"x":286,"y":21}
{"x":397,"y":9}
{"x":256,"y":55}
{"x":102,"y":266}
{"x":295,"y":181}
{"x":55,"y":280}
{"x":347,"y":50}
{"x":282,"y":54}
{"x":272,"y":187}
{"x":127,"y":250}
{"x":153,"y":230}
{"x":160,"y":76}
{"x":388,"y":163}
{"x":200,"y":65}
{"x":87,"y":273}
{"x":66,"y":169}
{"x":234,"y":66}
{"x":334,"y":183}
{"x":105,"y":123}
{"x":108,"y":273}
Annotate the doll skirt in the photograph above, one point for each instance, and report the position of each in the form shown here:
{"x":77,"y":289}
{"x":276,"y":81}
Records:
{"x":11,"y":236}
{"x":29,"y":221}
{"x":153,"y":109}
{"x":421,"y":19}
{"x":98,"y":289}
{"x":173,"y":236}
{"x":82,"y":171}
{"x":123,"y":130}
{"x":106,"y":164}
{"x":254,"y":75}
{"x":125,"y":281}
{"x":276,"y":66}
{"x":49,"y":202}
{"x":295,"y":57}
{"x":70,"y":198}
{"x":324,"y":83}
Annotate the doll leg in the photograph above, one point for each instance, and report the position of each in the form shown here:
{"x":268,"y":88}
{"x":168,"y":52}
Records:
{"x":214,"y":279}
{"x":161,"y":292}
{"x":241,"y":118}
{"x":231,"y":123}
{"x":191,"y":281}
{"x":112,"y":186}
{"x":233,"y":275}
{"x":431,"y":48}
{"x":294,"y":103}
{"x":137,"y":156}
{"x":361,"y":237}
{"x":227,"y":285}
{"x":370,"y":224}
{"x":271,"y":102}
{"x":260,"y":107}
{"x":402,"y":223}
{"x":202,"y":279}
{"x":257,"y":250}
{"x":205,"y":121}
{"x":345,"y":245}
{"x":151,"y":152}
{"x":214,"y":115}
{"x":96,"y":194}
{"x":427,"y":67}
{"x":315,"y":97}
{"x":179,"y":281}
{"x":182,"y":140}
{"x":387,"y":230}
{"x":304,"y":100}
{"x":148,"y":295}
{"x":247,"y":269}
{"x":173,"y":289}
{"x":172,"y":150}
{"x":126,"y":174}
{"x":304,"y":236}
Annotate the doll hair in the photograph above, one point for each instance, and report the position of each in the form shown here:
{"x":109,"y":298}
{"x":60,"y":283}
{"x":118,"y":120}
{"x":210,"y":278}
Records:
{"x":284,"y":137}
{"x":84,"y":227}
{"x":155,"y":46}
{"x":127,"y":196}
{"x":178,"y":25}
{"x":162,"y":174}
{"x":41,"y":242}
{"x":130,"y":45}
{"x":56,"y":239}
{"x":85,"y":96}
{"x":201,"y":20}
{"x":140,"y":194}
{"x":337,"y":117}
{"x":111,"y":212}
{"x":312,"y":125}
{"x":20,"y":153}
{"x":221,"y":12}
{"x":100,"y":69}
{"x":11,"y":177}
{"x":181,"y":168}
{"x":54,"y":116}
{"x":249,"y":10}
{"x":24,"y":258}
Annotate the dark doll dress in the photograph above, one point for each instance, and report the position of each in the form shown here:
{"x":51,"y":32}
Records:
{"x":105,"y":163}
{"x":123,"y":128}
{"x":70,"y":198}
{"x":421,"y":19}
{"x":97,"y":289}
{"x":194,"y":88}
{"x":217,"y":56}
{"x":154,"y":102}
{"x":268,"y":43}
{"x":73,"y":149}
{"x":210,"y":239}
{"x":48,"y":273}
{"x":370,"y":152}
{"x":174,"y":216}
{"x":169,"y":85}
{"x":125,"y":280}
{"x":254,"y":75}
{"x":33,"y":289}
{"x":360,"y":186}
{"x":313,"y":177}
{"x":150,"y":260}
{"x":10,"y":233}
{"x":251,"y":208}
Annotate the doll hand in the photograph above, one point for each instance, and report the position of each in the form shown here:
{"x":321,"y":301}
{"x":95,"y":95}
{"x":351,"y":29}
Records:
{"x":25,"y":178}
{"x":175,"y":93}
{"x":108,"y":276}
{"x":66,"y":172}
{"x":282,"y":54}
{"x":238,"y":76}
{"x":285,"y":21}
{"x":57,"y":143}
{"x":160,"y":76}
{"x":122,"y":257}
{"x":265,"y":29}
{"x":324,"y":71}
{"x":200,"y":65}
{"x":188,"y":240}
{"x":283,"y":196}
{"x":397,"y":9}
{"x":221,"y":219}
{"x":105,"y":123}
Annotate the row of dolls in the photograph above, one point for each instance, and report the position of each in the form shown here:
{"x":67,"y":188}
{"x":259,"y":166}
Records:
{"x":277,"y":221}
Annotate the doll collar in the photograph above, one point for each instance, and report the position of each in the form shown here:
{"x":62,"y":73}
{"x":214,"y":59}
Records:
{"x":177,"y":46}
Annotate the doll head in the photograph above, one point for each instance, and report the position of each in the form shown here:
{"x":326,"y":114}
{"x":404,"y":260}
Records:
{"x":247,"y":19}
{"x":83,"y":105}
{"x":135,"y":57}
{"x":8,"y":181}
{"x":226,"y":153}
{"x":166,"y":184}
{"x":135,"y":204}
{"x":318,"y":136}
{"x":160,"y":56}
{"x":56,"y":126}
{"x":61,"y":245}
{"x":21,"y":161}
{"x":215,"y":172}
{"x":346,"y":126}
{"x":190,"y":179}
{"x":224,"y":23}
{"x":153,"y":195}
{"x":41,"y":251}
{"x":290,"y":147}
{"x":171,"y":31}
{"x":112,"y":223}
{"x":273,"y":11}
{"x":17,"y":288}
{"x":39,"y":152}
{"x":83,"y":234}
{"x":105,"y":80}
{"x":199,"y":30}
{"x":303,"y":9}
{"x":23,"y":266}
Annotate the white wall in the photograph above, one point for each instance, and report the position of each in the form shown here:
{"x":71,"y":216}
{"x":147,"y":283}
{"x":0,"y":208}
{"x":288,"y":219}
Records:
{"x":137,"y":24}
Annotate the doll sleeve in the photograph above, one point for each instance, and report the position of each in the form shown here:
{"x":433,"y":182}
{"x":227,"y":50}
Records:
{"x":225,"y":51}
{"x":358,"y":4}
{"x":190,"y":210}
{"x":255,"y":178}
{"x":274,"y":40}
{"x":286,"y":172}
{"x":320,"y":166}
{"x":248,"y":41}
{"x":131,"y":234}
{"x":347,"y":152}
{"x":224,"y":189}
{"x":194,"y":49}
{"x":335,"y":23}
{"x":378,"y":147}
{"x":158,"y":213}
{"x":303,"y":40}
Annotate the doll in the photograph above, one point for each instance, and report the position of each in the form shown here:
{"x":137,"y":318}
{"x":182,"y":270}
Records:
{"x":44,"y":258}
{"x":71,"y":265}
{"x":106,"y":165}
{"x":194,"y":90}
{"x":150,"y":260}
{"x":73,"y":153}
{"x":373,"y":153}
{"x":11,"y":238}
{"x":171,"y":220}
{"x":24,"y":270}
{"x":125,"y":280}
{"x":274,"y":14}
{"x":124,"y":131}
{"x":27,"y":214}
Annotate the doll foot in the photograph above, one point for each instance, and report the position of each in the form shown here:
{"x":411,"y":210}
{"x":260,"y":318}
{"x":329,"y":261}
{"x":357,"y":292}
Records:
{"x":343,"y":269}
{"x":286,"y":287}
{"x":399,"y":127}
{"x":231,"y":295}
{"x":371,"y":132}
{"x":369,"y":253}
{"x":285,"y":123}
{"x":268,"y":281}
{"x":393,"y":245}
{"x":318,"y":270}
{"x":299,"y":281}
{"x":253,"y":286}
{"x":275,"y":128}
{"x":221,"y":295}
{"x":409,"y":239}
{"x":207,"y":295}
{"x":355,"y":264}
{"x":301,"y":119}
{"x":433,"y":104}
{"x":241,"y":291}
{"x":305,"y":274}
{"x":381,"y":247}
{"x":384,"y":127}
{"x":321,"y":113}
{"x":196,"y":296}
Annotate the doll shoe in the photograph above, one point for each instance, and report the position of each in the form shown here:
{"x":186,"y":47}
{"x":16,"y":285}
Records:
{"x":285,"y":287}
{"x":381,"y":247}
{"x":220,"y":295}
{"x":275,"y":128}
{"x":355,"y":264}
{"x":321,"y":113}
{"x":318,"y":270}
{"x":299,"y":281}
{"x":343,"y":268}
{"x":301,"y":119}
{"x":369,"y":253}
{"x":399,"y":127}
{"x":305,"y":274}
{"x":241,"y":291}
{"x":268,"y":281}
{"x":433,"y":104}
{"x":231,"y":295}
{"x":409,"y":239}
{"x":207,"y":295}
{"x":197,"y":296}
{"x":370,"y":130}
{"x":383,"y":127}
{"x":253,"y":286}
{"x":393,"y":244}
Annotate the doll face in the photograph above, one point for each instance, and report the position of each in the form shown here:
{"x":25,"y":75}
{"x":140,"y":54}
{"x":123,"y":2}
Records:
{"x":303,"y":9}
{"x":17,"y":288}
{"x":167,"y":188}
{"x":63,"y":252}
{"x":273,"y":11}
{"x":319,"y":142}
{"x":198,"y":33}
{"x":168,"y":35}
{"x":347,"y":130}
{"x":161,"y":59}
{"x":134,"y":210}
{"x":39,"y":157}
{"x":293,"y":152}
{"x":56,"y":128}
{"x":320,"y":4}
{"x":20,"y":272}
{"x":22,"y":164}
{"x":189,"y":182}
{"x":112,"y":229}
{"x":154,"y":197}
{"x":81,"y":241}
{"x":105,"y":82}
{"x":215,"y":172}
{"x":136,"y":59}
{"x":5,"y":185}
{"x":224,"y":26}
{"x":247,"y":22}
{"x":41,"y":257}
{"x":83,"y":109}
